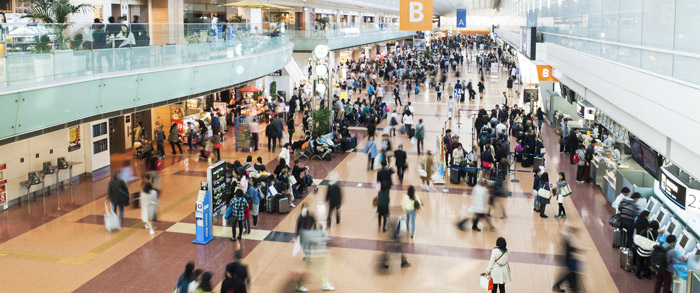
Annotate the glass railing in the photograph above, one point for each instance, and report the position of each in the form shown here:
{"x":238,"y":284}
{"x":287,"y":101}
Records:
{"x":676,"y":64}
{"x":44,"y":52}
{"x":343,"y":30}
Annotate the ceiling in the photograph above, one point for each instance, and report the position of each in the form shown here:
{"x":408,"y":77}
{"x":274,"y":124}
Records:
{"x":474,"y":7}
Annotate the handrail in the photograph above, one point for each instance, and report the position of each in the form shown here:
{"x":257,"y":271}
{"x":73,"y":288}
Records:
{"x":660,"y":50}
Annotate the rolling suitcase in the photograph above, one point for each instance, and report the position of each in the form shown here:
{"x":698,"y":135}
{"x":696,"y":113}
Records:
{"x":518,"y":157}
{"x":272,"y":204}
{"x":536,"y":163}
{"x":454,"y":176}
{"x":617,"y":238}
{"x":471,"y":177}
{"x":626,"y":259}
{"x":283,"y":205}
{"x":527,"y":161}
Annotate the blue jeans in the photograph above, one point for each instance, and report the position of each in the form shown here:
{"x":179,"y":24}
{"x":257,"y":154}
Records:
{"x":121,"y":212}
{"x":411,"y":220}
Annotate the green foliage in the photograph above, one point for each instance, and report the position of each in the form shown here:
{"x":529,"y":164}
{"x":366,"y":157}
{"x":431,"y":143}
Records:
{"x":54,"y":11}
{"x":321,"y":122}
{"x":236,"y":19}
{"x":323,"y":22}
{"x":77,"y":42}
{"x":42,"y":44}
{"x":256,"y":95}
{"x":273,"y":91}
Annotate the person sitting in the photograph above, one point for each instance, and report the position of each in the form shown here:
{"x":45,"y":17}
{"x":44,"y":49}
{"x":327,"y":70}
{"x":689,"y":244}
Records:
{"x":321,"y":148}
{"x":259,"y":166}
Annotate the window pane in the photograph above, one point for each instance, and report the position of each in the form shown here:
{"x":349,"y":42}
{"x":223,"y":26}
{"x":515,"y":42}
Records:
{"x":658,"y":23}
{"x":609,"y":52}
{"x":686,"y":68}
{"x":595,"y":8}
{"x":593,"y":48}
{"x":611,"y":20}
{"x":629,"y":56}
{"x":630,"y":22}
{"x":687,"y":36}
{"x":657,"y":62}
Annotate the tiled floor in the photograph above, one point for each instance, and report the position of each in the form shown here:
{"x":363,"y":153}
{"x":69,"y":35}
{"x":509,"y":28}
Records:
{"x":47,"y":249}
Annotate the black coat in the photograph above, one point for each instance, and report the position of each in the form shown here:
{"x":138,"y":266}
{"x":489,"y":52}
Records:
{"x":400,"y":157}
{"x":334,"y":197}
{"x":384,"y":178}
{"x":118,"y":192}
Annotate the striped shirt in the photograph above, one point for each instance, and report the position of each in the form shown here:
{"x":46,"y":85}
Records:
{"x":628,"y":209}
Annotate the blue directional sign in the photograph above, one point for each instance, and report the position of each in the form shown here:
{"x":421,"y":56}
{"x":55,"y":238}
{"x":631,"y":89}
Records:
{"x":461,"y":18}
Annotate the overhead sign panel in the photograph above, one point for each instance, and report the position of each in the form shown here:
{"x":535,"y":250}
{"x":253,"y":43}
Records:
{"x":461,"y":18}
{"x":416,"y":15}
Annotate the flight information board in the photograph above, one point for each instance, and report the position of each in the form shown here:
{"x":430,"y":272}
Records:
{"x":216,"y":179}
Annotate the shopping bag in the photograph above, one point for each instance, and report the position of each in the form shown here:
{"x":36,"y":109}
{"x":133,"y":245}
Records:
{"x":422,"y":173}
{"x":413,"y":140}
{"x":111,"y":219}
{"x":486,"y":282}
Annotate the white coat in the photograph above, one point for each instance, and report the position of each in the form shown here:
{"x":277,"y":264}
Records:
{"x":500,"y":270}
{"x":149,"y":203}
{"x":480,"y":200}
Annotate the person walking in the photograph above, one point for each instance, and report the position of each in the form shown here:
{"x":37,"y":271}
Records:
{"x":174,"y":138}
{"x":236,"y":216}
{"x":271,"y":134}
{"x":571,"y":264}
{"x":426,"y":171}
{"x":160,"y":137}
{"x":499,"y":268}
{"x":149,"y":204}
{"x":543,"y":184}
{"x":237,"y":271}
{"x":216,"y":141}
{"x":254,"y":128}
{"x":479,"y":207}
{"x":400,"y":162}
{"x":191,"y":134}
{"x":290,"y":127}
{"x":371,"y":151}
{"x":411,"y":203}
{"x":384,"y":180}
{"x":185,"y":279}
{"x":253,"y":195}
{"x":482,"y":88}
{"x":419,"y":135}
{"x":205,"y":283}
{"x":562,"y":191}
{"x":118,"y":195}
{"x":334,"y":198}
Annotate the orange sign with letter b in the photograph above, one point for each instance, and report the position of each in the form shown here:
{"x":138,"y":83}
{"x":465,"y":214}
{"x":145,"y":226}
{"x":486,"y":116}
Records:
{"x":416,"y":15}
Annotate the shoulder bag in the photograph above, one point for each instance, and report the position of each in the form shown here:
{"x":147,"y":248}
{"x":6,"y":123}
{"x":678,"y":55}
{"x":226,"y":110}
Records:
{"x":565,"y":190}
{"x":544,"y":193}
{"x":615,"y":221}
{"x":644,"y":243}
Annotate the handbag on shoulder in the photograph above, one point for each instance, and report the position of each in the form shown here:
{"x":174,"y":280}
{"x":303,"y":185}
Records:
{"x":544,"y":193}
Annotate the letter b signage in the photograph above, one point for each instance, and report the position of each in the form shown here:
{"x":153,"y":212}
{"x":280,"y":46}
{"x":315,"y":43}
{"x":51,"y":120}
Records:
{"x":416,"y":15}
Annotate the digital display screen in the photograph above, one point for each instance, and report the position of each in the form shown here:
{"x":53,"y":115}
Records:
{"x":645,"y":156}
{"x":684,"y":241}
{"x":660,"y":216}
{"x":527,"y":41}
{"x":650,"y":206}
{"x":216,"y":177}
{"x":671,"y":227}
{"x":672,"y":189}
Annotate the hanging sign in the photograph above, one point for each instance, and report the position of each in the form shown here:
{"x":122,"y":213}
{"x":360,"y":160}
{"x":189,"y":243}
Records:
{"x":461,"y":18}
{"x":416,"y":15}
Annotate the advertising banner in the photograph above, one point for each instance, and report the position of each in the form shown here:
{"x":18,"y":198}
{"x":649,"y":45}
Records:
{"x":3,"y":184}
{"x":416,"y":15}
{"x":461,"y":18}
{"x":74,"y":138}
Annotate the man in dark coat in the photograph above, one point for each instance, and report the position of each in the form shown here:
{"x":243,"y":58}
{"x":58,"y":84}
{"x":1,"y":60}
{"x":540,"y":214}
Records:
{"x":400,"y":157}
{"x":334,"y":197}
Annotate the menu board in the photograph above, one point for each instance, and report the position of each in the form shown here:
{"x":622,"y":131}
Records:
{"x":216,"y":179}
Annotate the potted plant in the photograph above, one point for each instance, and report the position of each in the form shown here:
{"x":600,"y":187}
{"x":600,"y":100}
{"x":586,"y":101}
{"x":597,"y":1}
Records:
{"x":77,"y":42}
{"x":56,"y":14}
{"x":323,"y":22}
{"x":273,"y":91}
{"x":321,"y":122}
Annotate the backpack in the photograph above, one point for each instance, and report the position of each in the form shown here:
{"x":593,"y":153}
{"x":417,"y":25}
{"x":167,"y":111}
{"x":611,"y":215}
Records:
{"x":658,"y":258}
{"x":576,"y":159}
{"x":483,"y":137}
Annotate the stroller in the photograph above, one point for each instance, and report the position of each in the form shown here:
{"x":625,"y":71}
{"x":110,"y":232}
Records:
{"x":143,"y":148}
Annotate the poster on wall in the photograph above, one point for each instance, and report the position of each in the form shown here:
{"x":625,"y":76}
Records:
{"x":3,"y":184}
{"x":220,"y":107}
{"x":73,"y":138}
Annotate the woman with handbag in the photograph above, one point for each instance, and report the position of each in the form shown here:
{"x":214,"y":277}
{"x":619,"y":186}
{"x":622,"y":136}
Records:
{"x":499,"y":268}
{"x":544,"y":193}
{"x":562,"y":191}
{"x":425,"y":171}
{"x":642,"y":241}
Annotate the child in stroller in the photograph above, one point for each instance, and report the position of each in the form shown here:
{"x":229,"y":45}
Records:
{"x":143,"y":148}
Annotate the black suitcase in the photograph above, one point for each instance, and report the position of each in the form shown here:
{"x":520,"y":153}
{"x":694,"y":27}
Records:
{"x":454,"y":176}
{"x":471,"y":177}
{"x":527,"y":161}
{"x":518,"y":157}
{"x":537,"y":162}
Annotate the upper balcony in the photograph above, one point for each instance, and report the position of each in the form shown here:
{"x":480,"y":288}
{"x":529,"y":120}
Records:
{"x":339,"y":36}
{"x":53,"y":74}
